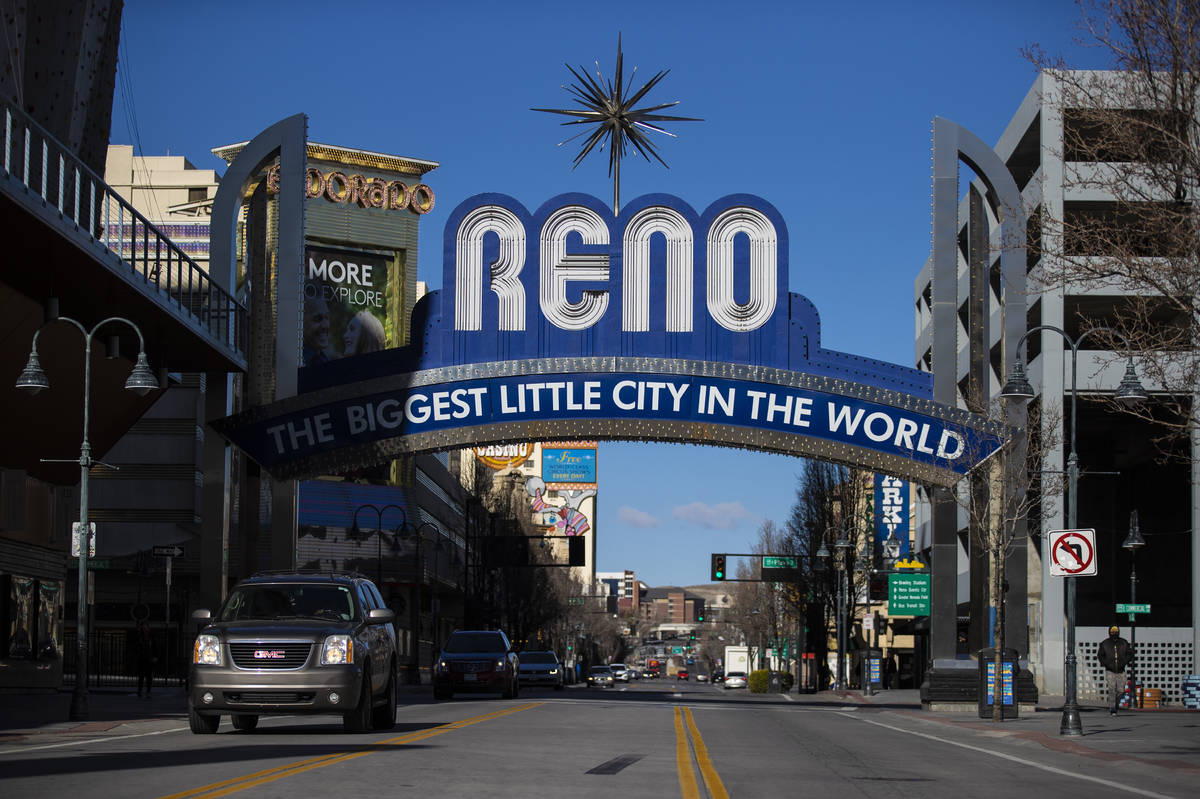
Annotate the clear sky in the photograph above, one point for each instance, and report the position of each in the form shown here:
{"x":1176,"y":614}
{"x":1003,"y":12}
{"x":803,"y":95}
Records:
{"x":823,"y":109}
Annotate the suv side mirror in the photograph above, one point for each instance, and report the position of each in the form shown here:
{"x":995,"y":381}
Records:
{"x":202,"y":614}
{"x":381,"y":616}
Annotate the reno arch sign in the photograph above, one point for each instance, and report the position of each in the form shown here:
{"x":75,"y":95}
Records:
{"x":662,"y":323}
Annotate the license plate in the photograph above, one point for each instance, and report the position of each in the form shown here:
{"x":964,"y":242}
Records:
{"x":470,"y":677}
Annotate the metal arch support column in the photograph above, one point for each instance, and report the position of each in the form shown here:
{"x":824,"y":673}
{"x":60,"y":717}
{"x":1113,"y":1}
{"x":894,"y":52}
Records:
{"x":952,"y":143}
{"x":287,"y":140}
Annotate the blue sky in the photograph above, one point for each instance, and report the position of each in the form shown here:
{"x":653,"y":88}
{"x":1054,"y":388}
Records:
{"x":823,"y":109}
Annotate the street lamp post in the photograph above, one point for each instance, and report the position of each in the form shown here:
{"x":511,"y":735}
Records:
{"x":379,"y":532}
{"x":33,"y":380}
{"x":1129,"y":391}
{"x":842,"y":545}
{"x":414,"y":666}
{"x":1133,"y":542}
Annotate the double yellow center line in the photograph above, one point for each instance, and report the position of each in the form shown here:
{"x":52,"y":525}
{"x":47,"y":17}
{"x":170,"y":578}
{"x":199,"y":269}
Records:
{"x":683,"y":759}
{"x":292,"y":769}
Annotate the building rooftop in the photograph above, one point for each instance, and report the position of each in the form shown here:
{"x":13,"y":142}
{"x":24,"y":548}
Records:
{"x":345,"y":155}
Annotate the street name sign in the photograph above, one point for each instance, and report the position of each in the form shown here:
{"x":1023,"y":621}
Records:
{"x":908,"y":594}
{"x":168,"y":552}
{"x":780,"y":568}
{"x":1073,"y":553}
{"x":1123,"y":607}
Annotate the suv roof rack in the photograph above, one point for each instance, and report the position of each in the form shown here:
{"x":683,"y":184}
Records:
{"x":309,"y":573}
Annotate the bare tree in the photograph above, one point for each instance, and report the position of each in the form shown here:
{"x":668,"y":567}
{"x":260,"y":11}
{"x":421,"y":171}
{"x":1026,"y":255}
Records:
{"x":1131,"y":139}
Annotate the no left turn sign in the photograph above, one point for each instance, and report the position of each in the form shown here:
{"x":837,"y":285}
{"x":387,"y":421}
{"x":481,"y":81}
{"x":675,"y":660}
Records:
{"x":1073,"y":553}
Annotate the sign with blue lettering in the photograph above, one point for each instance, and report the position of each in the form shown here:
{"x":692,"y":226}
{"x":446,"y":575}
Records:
{"x":662,"y":323}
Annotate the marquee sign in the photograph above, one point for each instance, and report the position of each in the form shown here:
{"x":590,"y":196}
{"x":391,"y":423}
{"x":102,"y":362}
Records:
{"x":659,"y":324}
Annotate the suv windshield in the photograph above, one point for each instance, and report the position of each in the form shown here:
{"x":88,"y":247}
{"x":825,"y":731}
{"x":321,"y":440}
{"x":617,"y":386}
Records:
{"x":460,"y":643}
{"x":289,"y":600}
{"x":538,"y":657}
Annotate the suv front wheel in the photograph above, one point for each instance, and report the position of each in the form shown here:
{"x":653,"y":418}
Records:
{"x":384,"y":716}
{"x":202,"y":725}
{"x":359,"y":719}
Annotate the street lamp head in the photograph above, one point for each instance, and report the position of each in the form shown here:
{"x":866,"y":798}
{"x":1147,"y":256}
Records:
{"x":1018,"y":386}
{"x":843,"y":543}
{"x":33,"y":379}
{"x":1134,"y":541}
{"x":823,"y":552}
{"x":1130,"y":391}
{"x":141,"y":379}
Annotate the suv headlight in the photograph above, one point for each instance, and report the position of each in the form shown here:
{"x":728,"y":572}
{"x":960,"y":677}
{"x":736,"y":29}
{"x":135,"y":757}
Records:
{"x":207,"y":650}
{"x":338,"y":650}
{"x":500,"y":664}
{"x":442,"y":666}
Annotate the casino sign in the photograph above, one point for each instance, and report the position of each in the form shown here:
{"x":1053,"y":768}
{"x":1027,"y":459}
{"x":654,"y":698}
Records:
{"x":660,"y":324}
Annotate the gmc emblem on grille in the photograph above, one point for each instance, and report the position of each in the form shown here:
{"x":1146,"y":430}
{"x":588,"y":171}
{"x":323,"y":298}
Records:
{"x":268,"y":654}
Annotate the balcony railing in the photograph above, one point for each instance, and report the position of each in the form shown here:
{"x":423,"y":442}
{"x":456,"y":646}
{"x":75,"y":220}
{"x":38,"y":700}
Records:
{"x":50,"y":172}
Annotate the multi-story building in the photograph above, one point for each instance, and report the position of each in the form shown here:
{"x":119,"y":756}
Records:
{"x":73,"y":260}
{"x":1120,"y":471}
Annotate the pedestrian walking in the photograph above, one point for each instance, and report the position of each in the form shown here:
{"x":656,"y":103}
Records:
{"x":1115,"y":656}
{"x":145,"y":659}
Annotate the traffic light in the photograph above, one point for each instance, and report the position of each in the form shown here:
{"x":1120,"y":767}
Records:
{"x":718,"y":567}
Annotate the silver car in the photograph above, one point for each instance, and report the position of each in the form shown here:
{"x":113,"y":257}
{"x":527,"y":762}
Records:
{"x":735,"y":679}
{"x":541,"y":668}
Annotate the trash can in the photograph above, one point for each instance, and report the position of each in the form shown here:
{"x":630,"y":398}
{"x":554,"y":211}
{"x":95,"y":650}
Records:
{"x":1004,"y":688}
{"x":774,"y":682}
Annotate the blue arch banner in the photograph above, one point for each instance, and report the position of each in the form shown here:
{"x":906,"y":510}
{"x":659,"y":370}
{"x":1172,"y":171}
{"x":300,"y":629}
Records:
{"x":662,"y":323}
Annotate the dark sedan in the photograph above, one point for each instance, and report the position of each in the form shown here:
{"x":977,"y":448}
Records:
{"x":477,"y":661}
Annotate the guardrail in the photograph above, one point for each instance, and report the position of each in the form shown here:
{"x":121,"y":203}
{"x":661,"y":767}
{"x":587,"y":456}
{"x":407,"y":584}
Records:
{"x":50,"y":172}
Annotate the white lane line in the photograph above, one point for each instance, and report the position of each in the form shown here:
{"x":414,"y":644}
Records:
{"x":1021,"y":760}
{"x":25,"y":749}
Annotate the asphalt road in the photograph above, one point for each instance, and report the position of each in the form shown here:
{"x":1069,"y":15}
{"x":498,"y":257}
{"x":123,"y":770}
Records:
{"x":647,"y":739}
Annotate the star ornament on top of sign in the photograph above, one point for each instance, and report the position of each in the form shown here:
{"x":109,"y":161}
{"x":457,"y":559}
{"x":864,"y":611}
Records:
{"x":609,"y":105}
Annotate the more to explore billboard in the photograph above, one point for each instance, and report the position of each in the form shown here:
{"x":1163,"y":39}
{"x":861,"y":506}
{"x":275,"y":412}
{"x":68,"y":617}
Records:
{"x":345,"y":304}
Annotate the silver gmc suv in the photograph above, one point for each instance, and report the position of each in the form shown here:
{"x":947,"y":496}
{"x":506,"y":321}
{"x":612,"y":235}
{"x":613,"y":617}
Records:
{"x":295,"y":642}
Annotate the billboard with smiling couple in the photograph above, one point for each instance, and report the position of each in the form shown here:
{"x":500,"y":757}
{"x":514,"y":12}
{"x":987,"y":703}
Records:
{"x":345,"y":304}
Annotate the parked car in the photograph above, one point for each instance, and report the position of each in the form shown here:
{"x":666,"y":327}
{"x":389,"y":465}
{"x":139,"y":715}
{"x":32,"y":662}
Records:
{"x":295,"y":642}
{"x":682,"y":674}
{"x":620,"y":672}
{"x":735,"y":679}
{"x":601,"y":676}
{"x":541,"y":668}
{"x":701,"y":678}
{"x":477,"y":661}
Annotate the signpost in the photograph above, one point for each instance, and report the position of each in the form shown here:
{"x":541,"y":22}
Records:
{"x":1073,"y":553}
{"x":908,"y":594}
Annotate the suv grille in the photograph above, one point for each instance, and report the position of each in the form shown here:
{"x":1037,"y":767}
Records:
{"x":268,"y":698}
{"x":270,"y":654}
{"x":470,"y":666}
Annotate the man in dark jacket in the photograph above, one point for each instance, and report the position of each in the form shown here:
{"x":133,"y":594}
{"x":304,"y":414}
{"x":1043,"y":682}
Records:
{"x":1115,"y":655}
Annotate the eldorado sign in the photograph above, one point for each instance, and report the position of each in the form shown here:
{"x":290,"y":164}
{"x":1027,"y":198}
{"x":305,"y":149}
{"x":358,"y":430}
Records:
{"x":659,"y":324}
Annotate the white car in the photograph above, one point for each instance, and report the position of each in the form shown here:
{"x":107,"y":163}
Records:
{"x":620,"y":672}
{"x":735,"y":679}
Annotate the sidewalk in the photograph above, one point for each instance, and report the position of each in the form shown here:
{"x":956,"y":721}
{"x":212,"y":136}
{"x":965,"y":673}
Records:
{"x":1163,"y":737}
